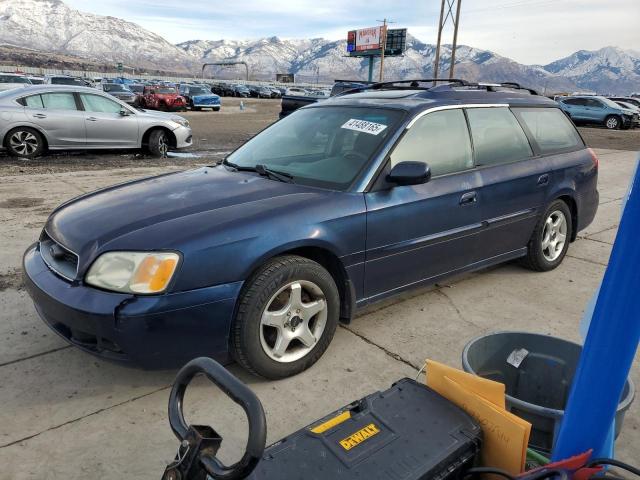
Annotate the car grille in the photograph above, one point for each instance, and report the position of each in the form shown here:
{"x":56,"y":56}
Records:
{"x":59,"y":259}
{"x":206,"y":101}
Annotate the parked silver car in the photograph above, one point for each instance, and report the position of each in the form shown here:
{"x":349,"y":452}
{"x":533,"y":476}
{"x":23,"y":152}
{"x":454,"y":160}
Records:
{"x":61,"y":117}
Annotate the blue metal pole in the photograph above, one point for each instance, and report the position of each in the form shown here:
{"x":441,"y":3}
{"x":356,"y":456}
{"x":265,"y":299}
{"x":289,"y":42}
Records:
{"x":610,"y":345}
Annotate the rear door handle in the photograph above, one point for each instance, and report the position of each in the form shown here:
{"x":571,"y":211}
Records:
{"x":92,"y":119}
{"x":543,"y":179}
{"x":468,"y":198}
{"x":39,"y":115}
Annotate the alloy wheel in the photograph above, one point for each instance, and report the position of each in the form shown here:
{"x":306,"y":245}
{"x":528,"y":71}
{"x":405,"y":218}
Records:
{"x":612,"y":123}
{"x":293,"y":321}
{"x":554,"y":235}
{"x":23,"y":142}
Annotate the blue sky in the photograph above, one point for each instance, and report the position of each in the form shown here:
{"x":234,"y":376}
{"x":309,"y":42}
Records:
{"x":529,"y":31}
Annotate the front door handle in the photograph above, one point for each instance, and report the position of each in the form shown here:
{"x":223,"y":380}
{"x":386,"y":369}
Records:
{"x":92,"y":119}
{"x":543,"y":180}
{"x":468,"y":198}
{"x":39,"y":115}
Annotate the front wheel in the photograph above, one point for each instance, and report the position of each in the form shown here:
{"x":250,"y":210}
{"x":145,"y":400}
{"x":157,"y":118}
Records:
{"x":612,"y":122}
{"x":24,"y":142}
{"x":287,"y":316}
{"x":158,"y":144}
{"x":550,"y":239}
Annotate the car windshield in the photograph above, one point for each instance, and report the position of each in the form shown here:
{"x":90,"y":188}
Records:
{"x":136,"y":88}
{"x":12,"y":79}
{"x":324,"y":146}
{"x":198,"y":91}
{"x":66,"y":81}
{"x":115,"y":87}
{"x":165,"y":90}
{"x":609,"y":103}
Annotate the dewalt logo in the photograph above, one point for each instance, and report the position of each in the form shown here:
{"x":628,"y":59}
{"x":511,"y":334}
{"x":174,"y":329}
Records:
{"x":359,"y":437}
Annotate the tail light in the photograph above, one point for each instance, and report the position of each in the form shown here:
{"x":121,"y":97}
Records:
{"x":594,"y":157}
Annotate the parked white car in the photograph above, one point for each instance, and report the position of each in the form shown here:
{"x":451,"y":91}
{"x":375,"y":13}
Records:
{"x":9,"y":81}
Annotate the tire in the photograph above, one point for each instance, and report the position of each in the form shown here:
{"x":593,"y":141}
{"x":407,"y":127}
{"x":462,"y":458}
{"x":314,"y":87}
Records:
{"x":216,"y":109}
{"x":612,"y":122}
{"x":268,"y":298}
{"x":544,"y":251}
{"x":24,"y":142}
{"x":158,"y":143}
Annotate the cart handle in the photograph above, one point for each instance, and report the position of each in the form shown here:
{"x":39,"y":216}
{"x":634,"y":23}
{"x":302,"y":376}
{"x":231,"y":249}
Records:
{"x":240,"y":394}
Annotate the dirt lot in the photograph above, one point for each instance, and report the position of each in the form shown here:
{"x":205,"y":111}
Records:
{"x":68,"y":415}
{"x":217,"y":133}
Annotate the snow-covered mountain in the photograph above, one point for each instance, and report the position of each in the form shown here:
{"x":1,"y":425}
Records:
{"x":53,"y":27}
{"x":609,"y":69}
{"x":325,"y":60}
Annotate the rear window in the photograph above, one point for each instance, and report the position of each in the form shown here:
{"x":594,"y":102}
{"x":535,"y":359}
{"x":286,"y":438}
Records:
{"x":497,"y":136}
{"x":550,"y":128}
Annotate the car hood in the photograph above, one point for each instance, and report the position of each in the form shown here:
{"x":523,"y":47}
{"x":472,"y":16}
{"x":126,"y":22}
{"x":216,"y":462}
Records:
{"x":160,"y":115}
{"x":206,"y":97}
{"x":131,"y":215}
{"x":9,"y":86}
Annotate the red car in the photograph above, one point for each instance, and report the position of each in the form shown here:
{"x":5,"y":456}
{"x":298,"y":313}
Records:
{"x":159,"y":97}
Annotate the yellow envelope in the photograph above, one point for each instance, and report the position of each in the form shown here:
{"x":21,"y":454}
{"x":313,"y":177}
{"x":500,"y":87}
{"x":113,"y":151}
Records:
{"x":505,"y":436}
{"x":487,"y":389}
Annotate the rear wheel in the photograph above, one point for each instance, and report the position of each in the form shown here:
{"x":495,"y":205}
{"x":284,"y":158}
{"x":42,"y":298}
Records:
{"x":612,"y":122}
{"x":24,"y":142}
{"x":158,"y":144}
{"x":287,"y":316}
{"x":550,"y":239}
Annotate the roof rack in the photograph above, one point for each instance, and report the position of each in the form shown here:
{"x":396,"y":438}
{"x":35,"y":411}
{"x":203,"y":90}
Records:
{"x":414,"y":84}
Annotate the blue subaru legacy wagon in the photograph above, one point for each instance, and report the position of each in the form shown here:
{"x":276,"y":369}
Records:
{"x":342,"y":203}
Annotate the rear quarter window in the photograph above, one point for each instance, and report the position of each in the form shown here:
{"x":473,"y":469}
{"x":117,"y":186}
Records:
{"x":550,"y":128}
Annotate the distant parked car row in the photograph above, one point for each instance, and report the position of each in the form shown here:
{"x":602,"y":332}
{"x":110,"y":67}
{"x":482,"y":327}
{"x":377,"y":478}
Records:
{"x":612,"y":113}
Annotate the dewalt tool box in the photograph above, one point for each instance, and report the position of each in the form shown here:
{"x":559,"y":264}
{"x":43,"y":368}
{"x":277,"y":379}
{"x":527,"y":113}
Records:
{"x":406,"y":432}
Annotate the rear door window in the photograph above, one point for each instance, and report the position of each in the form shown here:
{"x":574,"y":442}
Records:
{"x":440,"y":139}
{"x":59,"y":101}
{"x":497,"y":136}
{"x":550,"y":128}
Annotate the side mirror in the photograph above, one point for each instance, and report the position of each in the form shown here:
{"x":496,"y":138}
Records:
{"x":124,"y":112}
{"x":409,"y":173}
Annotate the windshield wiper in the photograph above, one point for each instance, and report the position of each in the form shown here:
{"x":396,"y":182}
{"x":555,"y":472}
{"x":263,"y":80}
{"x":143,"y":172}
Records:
{"x":263,"y":171}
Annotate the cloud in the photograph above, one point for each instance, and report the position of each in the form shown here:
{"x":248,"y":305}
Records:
{"x":528,"y":31}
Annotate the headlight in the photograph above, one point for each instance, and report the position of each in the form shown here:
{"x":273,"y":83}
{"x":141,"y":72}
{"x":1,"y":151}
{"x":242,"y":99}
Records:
{"x":133,"y":272}
{"x":182,"y":121}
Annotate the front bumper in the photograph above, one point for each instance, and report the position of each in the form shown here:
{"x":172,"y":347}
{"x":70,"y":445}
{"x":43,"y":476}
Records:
{"x":207,"y":105}
{"x":153,"y":332}
{"x":183,"y":137}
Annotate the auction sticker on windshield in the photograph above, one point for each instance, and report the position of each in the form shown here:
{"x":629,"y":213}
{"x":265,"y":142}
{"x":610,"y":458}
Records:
{"x":364,"y":126}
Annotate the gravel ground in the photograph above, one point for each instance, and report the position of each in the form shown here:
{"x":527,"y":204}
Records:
{"x":217,"y":133}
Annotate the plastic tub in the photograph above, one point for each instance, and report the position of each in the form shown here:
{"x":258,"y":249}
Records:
{"x":537,"y":389}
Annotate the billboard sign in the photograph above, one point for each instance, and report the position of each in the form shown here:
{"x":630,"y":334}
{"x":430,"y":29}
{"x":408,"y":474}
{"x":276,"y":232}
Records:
{"x":367,"y":42}
{"x":368,"y":39}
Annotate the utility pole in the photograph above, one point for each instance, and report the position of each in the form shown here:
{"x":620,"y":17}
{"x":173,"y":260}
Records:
{"x":455,"y":39}
{"x":383,"y":44}
{"x":441,"y":24}
{"x":436,"y":66}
